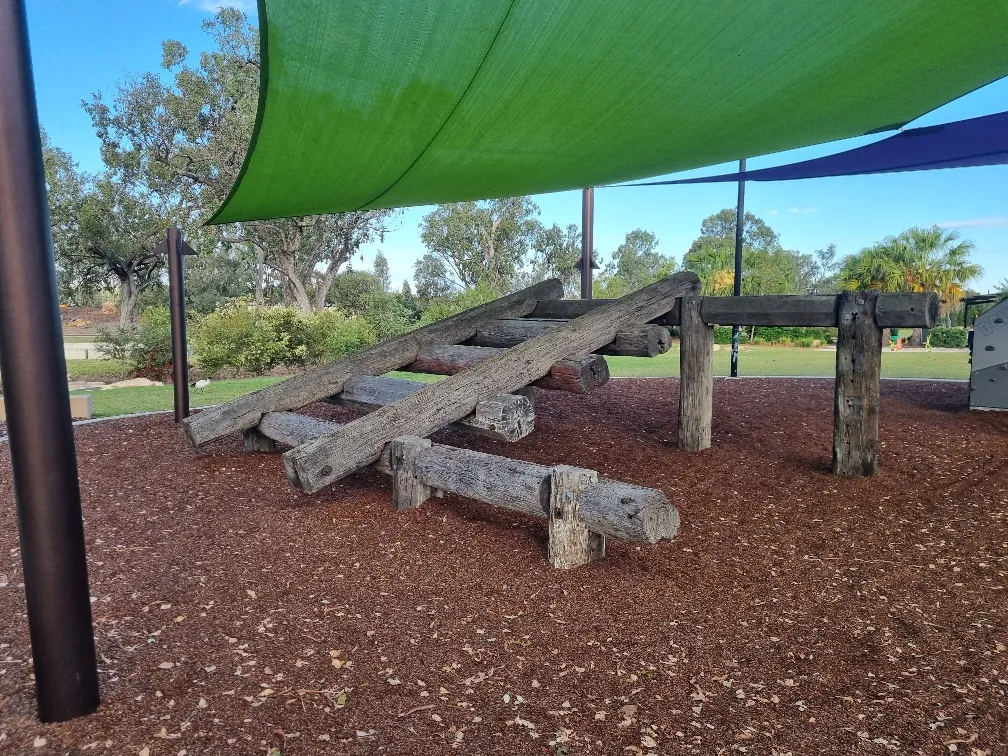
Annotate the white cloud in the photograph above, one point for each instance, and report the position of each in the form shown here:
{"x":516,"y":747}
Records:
{"x":802,"y":210}
{"x":212,"y":6}
{"x":1001,"y":220}
{"x":772,"y":212}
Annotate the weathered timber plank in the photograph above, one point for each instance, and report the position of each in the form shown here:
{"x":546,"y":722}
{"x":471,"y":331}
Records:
{"x":570,"y":542}
{"x":636,"y":340}
{"x":620,"y":510}
{"x":907,"y":310}
{"x":696,"y":377}
{"x":856,"y":392}
{"x":579,"y":375}
{"x":360,"y":442}
{"x":770,"y":310}
{"x":318,"y":383}
{"x":407,"y":490}
{"x":508,"y":418}
{"x":567,"y":309}
{"x":897,"y":310}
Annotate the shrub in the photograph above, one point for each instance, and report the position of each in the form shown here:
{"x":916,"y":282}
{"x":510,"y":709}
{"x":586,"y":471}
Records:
{"x":952,"y":338}
{"x":246,"y":337}
{"x":114,"y":343}
{"x":150,"y":353}
{"x":795,"y":334}
{"x":722,"y":334}
{"x":806,"y":342}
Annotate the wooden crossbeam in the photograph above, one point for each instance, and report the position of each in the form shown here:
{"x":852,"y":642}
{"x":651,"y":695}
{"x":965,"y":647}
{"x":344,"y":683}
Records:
{"x":359,"y":443}
{"x":578,"y":375}
{"x":635,"y":340}
{"x":898,"y":310}
{"x":510,"y":417}
{"x":318,"y":383}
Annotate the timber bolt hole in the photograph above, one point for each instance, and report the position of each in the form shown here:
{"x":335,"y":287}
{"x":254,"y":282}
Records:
{"x":327,"y":470}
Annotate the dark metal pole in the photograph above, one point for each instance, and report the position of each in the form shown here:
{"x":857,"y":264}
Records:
{"x":43,"y":458}
{"x":737,"y":291}
{"x":176,"y":299}
{"x":587,"y":240}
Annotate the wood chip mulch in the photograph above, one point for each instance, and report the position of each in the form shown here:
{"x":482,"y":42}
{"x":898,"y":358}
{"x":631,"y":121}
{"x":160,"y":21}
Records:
{"x":796,"y":613}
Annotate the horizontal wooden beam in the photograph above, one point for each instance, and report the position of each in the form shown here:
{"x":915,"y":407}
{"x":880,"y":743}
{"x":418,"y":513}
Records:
{"x":895,"y":310}
{"x":507,"y":418}
{"x":616,"y":509}
{"x":578,"y":375}
{"x":635,"y":340}
{"x":318,"y":383}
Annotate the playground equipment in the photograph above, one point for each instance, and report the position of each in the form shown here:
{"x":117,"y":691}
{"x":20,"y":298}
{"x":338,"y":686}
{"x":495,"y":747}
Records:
{"x":989,"y":360}
{"x":499,"y":354}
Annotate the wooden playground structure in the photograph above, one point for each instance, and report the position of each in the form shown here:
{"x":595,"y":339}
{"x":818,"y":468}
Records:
{"x":498,"y":355}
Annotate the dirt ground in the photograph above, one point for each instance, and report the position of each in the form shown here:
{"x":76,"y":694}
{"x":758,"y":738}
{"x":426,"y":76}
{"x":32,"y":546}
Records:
{"x":796,"y":613}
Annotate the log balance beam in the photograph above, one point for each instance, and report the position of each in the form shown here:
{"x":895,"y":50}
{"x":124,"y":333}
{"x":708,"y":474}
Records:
{"x":581,"y":508}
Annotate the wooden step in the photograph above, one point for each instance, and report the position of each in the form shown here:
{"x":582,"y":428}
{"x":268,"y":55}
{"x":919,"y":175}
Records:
{"x":507,"y":418}
{"x":578,"y":375}
{"x":359,"y":443}
{"x":633,"y":340}
{"x":318,"y":383}
{"x":618,"y":510}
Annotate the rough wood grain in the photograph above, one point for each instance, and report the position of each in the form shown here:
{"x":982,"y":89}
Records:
{"x":856,"y":393}
{"x":635,"y":340}
{"x":630,"y":513}
{"x":898,"y":310}
{"x":257,"y":442}
{"x":569,"y":540}
{"x":326,"y":460}
{"x":566,"y":309}
{"x":696,"y":377}
{"x":608,"y":507}
{"x":507,"y":418}
{"x":408,"y":492}
{"x":579,"y":375}
{"x":907,"y":310}
{"x":318,"y":383}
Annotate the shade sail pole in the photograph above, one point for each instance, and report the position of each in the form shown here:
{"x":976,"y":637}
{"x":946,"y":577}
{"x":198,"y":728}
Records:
{"x":37,"y":400}
{"x":737,"y":289}
{"x":176,"y":300}
{"x":587,"y":240}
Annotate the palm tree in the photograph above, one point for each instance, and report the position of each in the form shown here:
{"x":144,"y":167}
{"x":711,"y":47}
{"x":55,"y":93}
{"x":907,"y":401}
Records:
{"x":919,"y":259}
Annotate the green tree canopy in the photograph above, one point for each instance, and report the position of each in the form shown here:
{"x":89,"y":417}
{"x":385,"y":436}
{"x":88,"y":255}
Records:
{"x":634,"y":264}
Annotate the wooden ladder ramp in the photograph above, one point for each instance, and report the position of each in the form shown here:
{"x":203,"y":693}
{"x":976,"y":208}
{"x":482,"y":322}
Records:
{"x":495,"y":360}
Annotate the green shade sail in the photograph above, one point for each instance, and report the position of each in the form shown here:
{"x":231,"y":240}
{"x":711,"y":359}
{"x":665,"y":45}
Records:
{"x":390,"y":103}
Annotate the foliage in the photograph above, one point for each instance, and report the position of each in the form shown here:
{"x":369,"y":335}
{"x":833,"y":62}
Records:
{"x":950,"y":338}
{"x":150,"y":353}
{"x":114,"y":343}
{"x":183,"y":133}
{"x":919,"y":259}
{"x":439,"y":309}
{"x":104,"y":233}
{"x":719,"y":230}
{"x":246,"y":337}
{"x":556,"y":252}
{"x":779,"y":335}
{"x":478,"y":242}
{"x":635,"y":264}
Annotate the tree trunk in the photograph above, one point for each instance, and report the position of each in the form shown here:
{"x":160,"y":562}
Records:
{"x":127,"y":305}
{"x":260,"y":283}
{"x":856,"y":393}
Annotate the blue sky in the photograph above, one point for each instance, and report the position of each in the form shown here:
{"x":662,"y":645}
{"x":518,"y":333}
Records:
{"x":82,"y":47}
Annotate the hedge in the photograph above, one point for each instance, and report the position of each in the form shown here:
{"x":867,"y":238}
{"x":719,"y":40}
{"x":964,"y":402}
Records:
{"x":951,"y":338}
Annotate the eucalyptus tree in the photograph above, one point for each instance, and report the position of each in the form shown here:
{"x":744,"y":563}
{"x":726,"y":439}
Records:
{"x":184,"y":133}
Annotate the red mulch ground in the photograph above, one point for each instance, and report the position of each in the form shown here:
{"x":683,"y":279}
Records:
{"x":796,"y":613}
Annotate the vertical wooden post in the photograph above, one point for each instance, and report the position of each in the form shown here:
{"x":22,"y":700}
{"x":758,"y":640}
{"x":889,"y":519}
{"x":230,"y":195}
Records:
{"x":856,"y":396}
{"x":571,"y":544}
{"x":407,"y":491}
{"x":696,"y":376}
{"x":257,"y":442}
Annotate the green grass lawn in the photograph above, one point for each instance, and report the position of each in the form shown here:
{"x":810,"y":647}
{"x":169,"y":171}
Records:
{"x":778,"y":361}
{"x":783,"y":361}
{"x":79,"y":339}
{"x":126,"y":401}
{"x":96,"y":370}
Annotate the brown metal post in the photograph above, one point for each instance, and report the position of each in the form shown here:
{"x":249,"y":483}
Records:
{"x":587,"y":240}
{"x":176,"y":300}
{"x":37,"y":399}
